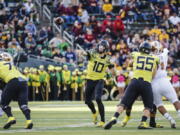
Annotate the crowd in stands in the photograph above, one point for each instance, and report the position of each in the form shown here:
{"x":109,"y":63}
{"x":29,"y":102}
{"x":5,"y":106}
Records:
{"x":83,"y":22}
{"x":20,"y":29}
{"x":89,"y":21}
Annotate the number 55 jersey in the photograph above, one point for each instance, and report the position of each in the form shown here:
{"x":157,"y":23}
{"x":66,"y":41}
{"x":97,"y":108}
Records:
{"x":144,"y":65}
{"x":8,"y":72}
{"x":97,"y":65}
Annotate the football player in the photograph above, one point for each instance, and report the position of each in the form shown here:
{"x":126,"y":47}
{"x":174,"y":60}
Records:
{"x":16,"y":88}
{"x":161,"y":86}
{"x":98,"y":63}
{"x":144,"y":68}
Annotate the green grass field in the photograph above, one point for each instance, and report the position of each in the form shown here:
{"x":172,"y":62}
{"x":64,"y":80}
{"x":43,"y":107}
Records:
{"x":74,"y":118}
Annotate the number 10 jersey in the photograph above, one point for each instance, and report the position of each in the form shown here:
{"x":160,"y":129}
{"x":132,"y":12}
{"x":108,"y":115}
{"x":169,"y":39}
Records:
{"x":97,"y":65}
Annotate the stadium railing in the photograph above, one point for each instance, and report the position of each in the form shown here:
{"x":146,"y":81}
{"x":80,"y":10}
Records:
{"x":68,"y":37}
{"x":47,"y":13}
{"x":57,"y":28}
{"x":39,"y":4}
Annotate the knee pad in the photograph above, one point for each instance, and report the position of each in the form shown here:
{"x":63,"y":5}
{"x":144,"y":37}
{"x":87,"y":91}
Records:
{"x":24,"y":108}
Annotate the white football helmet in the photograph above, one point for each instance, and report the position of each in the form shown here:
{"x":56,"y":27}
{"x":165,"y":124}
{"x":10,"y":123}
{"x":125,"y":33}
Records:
{"x":6,"y":57}
{"x":157,"y":47}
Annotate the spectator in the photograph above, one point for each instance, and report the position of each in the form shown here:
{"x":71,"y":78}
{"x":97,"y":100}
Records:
{"x":20,"y":32}
{"x":31,"y":28}
{"x":77,"y":29}
{"x":38,"y":50}
{"x":63,"y":46}
{"x":56,"y":41}
{"x":30,"y":41}
{"x":107,"y":7}
{"x":14,"y":43}
{"x":157,"y":14}
{"x":66,"y":3}
{"x":113,"y":50}
{"x":93,"y":21}
{"x":118,"y":26}
{"x":166,"y":10}
{"x":70,"y":55}
{"x":89,"y":39}
{"x":97,"y":30}
{"x":15,"y":17}
{"x":121,"y":45}
{"x":43,"y":35}
{"x":2,"y":5}
{"x":174,"y":19}
{"x":85,"y":3}
{"x":107,"y":24}
{"x":29,"y":6}
{"x":3,"y":16}
{"x":84,"y":17}
{"x":155,"y":31}
{"x":6,"y":38}
{"x":163,"y":36}
{"x":68,"y":14}
{"x":93,"y":7}
{"x":57,"y":54}
{"x":50,"y":33}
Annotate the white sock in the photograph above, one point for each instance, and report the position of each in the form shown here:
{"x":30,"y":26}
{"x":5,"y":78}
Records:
{"x":169,"y":117}
{"x":178,"y":111}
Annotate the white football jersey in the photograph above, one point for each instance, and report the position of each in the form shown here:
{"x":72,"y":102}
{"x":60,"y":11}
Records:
{"x":163,"y":59}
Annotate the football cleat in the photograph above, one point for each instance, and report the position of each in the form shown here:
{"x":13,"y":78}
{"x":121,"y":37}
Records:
{"x":110,"y":123}
{"x":156,"y":125}
{"x":11,"y":121}
{"x":125,"y":120}
{"x":29,"y":124}
{"x":173,"y":125}
{"x":144,"y":125}
{"x":101,"y":124}
{"x":95,"y":118}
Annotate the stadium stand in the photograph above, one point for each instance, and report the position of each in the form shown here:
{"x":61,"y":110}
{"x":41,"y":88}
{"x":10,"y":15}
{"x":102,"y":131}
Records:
{"x":70,"y":25}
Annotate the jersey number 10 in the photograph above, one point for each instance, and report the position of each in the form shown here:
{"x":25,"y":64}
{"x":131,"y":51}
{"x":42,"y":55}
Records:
{"x":98,"y":67}
{"x":145,"y":63}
